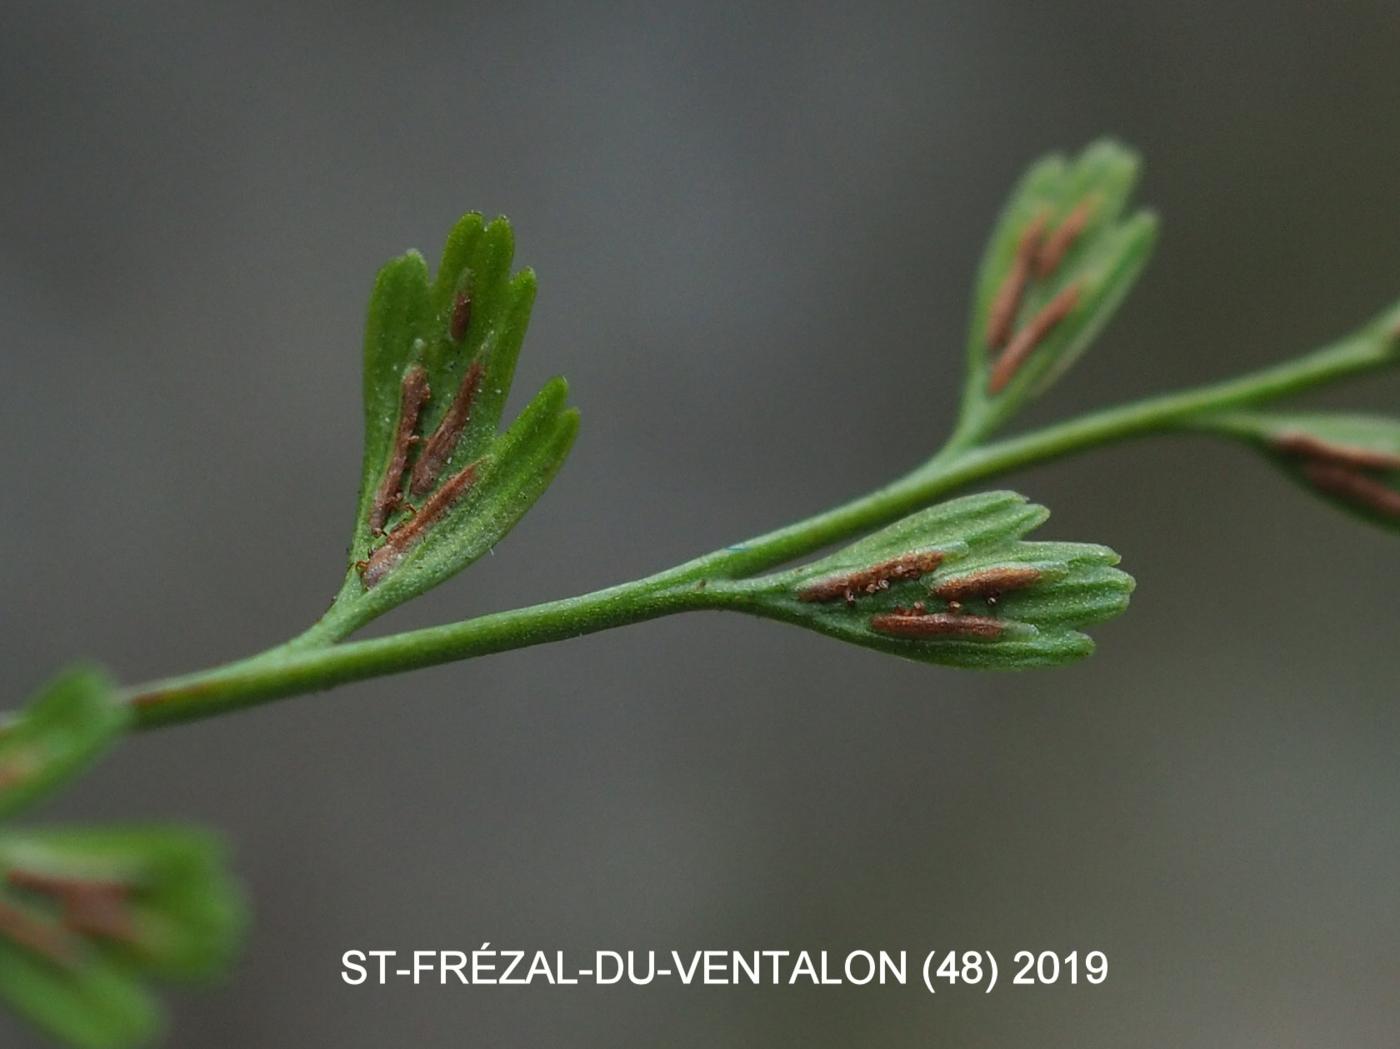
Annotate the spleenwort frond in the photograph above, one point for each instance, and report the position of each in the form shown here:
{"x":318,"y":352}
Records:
{"x":62,"y":731}
{"x":440,"y":485}
{"x":955,"y":584}
{"x":1351,"y":460}
{"x":1061,"y":259}
{"x":87,"y":916}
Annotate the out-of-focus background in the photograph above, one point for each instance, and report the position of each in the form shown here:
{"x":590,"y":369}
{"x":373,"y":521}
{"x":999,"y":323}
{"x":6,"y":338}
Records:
{"x":755,"y":228}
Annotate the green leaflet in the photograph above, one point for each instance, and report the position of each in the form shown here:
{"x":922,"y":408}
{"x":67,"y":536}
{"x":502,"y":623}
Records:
{"x":1352,"y":461}
{"x":96,"y":1005}
{"x":481,"y":256}
{"x":185,"y":913}
{"x":973,"y":520}
{"x":396,"y":331}
{"x":1059,"y":588}
{"x":464,"y":329}
{"x":521,"y":464}
{"x":107,"y":909}
{"x":59,"y":734}
{"x":1100,"y":264}
{"x":84,"y":914}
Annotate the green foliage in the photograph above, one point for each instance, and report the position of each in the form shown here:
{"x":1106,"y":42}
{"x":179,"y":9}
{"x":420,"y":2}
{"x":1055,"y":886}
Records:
{"x":1048,"y":591}
{"x":94,"y":1005}
{"x":185,"y":912}
{"x":87,"y":915}
{"x":62,"y":731}
{"x":473,"y":314}
{"x":100,"y":912}
{"x":1352,"y":461}
{"x":1101,"y":263}
{"x":521,"y":464}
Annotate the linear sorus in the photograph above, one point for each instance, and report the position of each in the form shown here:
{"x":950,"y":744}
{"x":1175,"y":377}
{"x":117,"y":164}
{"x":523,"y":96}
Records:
{"x":93,"y":907}
{"x":101,"y":914}
{"x":1007,"y":301}
{"x":408,"y":534}
{"x":34,"y":934}
{"x":987,"y":582}
{"x":1054,"y":248}
{"x":16,"y":768}
{"x":461,"y":315}
{"x":1308,"y":446}
{"x":1024,"y":342}
{"x":59,"y":885}
{"x":850,"y":585}
{"x":440,"y":446}
{"x":1354,"y":487}
{"x":414,"y":395}
{"x":936,"y":624}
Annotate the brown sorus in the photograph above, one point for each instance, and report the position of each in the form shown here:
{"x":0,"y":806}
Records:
{"x":63,"y":887}
{"x":1007,"y":301}
{"x":1308,"y":446}
{"x":936,"y":624}
{"x":461,"y":315}
{"x":1354,"y":487}
{"x":414,"y":395}
{"x":15,"y":770}
{"x":1058,"y":243}
{"x":101,"y":914}
{"x":35,"y":934}
{"x":1024,"y":342}
{"x":987,"y":582}
{"x":850,"y":585}
{"x":96,"y":908}
{"x":443,"y":442}
{"x":410,"y":532}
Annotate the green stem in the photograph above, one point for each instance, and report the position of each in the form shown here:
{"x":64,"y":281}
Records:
{"x":956,"y":468}
{"x":314,"y":661}
{"x":293,"y":670}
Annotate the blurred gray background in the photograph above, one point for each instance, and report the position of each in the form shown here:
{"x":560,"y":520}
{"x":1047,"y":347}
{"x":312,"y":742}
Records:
{"x":754,"y":228}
